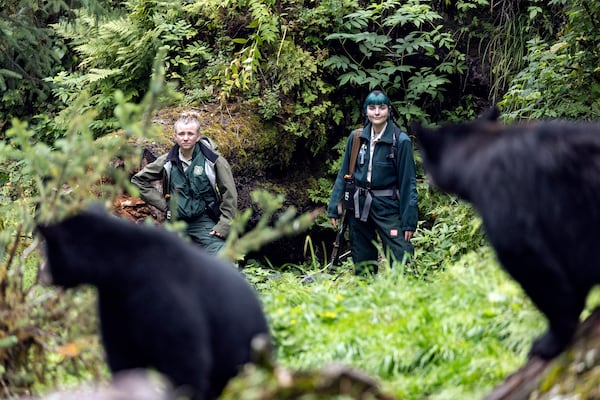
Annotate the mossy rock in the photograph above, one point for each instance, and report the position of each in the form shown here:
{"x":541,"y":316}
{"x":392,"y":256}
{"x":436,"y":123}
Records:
{"x":250,"y":145}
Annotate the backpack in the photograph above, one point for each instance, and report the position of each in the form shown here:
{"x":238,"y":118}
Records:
{"x":208,"y":142}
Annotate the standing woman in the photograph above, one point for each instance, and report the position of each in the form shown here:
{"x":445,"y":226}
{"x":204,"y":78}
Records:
{"x":385,"y":200}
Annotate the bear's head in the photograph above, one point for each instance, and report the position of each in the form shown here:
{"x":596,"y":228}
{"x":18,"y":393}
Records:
{"x":446,"y":150}
{"x":74,"y":247}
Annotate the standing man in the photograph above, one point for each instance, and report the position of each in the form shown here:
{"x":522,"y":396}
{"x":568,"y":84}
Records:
{"x":198,"y":186}
{"x":385,"y":197}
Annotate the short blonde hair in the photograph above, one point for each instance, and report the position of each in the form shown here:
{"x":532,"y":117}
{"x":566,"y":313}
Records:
{"x":188,"y":118}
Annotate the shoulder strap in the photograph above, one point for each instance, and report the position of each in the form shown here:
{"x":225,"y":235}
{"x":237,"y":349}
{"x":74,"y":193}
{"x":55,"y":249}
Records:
{"x":394,"y":146}
{"x":208,"y":151}
{"x":208,"y":142}
{"x":354,"y":153}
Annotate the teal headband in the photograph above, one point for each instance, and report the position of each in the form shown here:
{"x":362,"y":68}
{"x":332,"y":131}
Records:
{"x":376,"y":97}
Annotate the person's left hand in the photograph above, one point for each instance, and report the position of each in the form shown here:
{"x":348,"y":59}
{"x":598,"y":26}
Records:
{"x":408,"y":235}
{"x":217,"y":234}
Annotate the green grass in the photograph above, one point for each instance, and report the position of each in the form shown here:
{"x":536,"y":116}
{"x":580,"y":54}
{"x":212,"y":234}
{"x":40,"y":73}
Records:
{"x":455,"y":335}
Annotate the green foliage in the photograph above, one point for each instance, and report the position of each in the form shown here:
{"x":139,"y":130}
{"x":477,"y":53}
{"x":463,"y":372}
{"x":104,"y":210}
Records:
{"x":118,"y":52}
{"x":240,"y":242}
{"x":383,"y":46}
{"x":241,"y":74}
{"x":269,"y":104}
{"x":453,"y":336}
{"x":277,"y":55}
{"x":45,"y":183}
{"x":448,"y":229}
{"x":562,"y":78}
{"x":495,"y":35}
{"x":507,"y":48}
{"x":273,"y":67}
{"x":265,"y":61}
{"x":29,"y":51}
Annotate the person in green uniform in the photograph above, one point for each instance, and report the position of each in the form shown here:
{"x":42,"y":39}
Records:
{"x":198,"y":186}
{"x":385,"y":197}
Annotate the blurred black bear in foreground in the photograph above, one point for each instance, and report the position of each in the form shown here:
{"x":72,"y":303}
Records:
{"x":537,"y":189}
{"x":163,"y":302}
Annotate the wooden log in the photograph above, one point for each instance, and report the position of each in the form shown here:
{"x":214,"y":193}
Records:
{"x":574,"y":374}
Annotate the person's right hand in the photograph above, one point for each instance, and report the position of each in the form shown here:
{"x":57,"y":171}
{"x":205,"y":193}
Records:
{"x":333,"y":222}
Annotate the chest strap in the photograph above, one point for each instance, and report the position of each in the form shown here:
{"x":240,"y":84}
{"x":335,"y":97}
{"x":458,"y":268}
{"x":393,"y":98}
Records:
{"x":369,"y":193}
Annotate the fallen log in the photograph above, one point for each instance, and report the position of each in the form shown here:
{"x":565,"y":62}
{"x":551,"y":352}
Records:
{"x":573,"y":374}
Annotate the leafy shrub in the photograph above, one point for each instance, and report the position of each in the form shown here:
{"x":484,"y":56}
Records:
{"x":118,"y":51}
{"x":274,"y":67}
{"x":397,"y":46}
{"x":448,"y":229}
{"x":29,"y":52}
{"x":551,"y":87}
{"x":561,"y":77}
{"x":45,"y":183}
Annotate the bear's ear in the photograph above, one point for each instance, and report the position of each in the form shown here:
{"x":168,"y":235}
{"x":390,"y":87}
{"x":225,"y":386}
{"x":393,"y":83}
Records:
{"x":491,"y":114}
{"x":427,"y":137}
{"x":42,"y":229}
{"x":429,"y":141}
{"x":92,"y":212}
{"x":419,"y":132}
{"x":50,"y":232}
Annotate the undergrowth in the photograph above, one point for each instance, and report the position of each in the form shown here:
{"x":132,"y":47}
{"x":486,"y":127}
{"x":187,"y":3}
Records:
{"x":453,"y":336}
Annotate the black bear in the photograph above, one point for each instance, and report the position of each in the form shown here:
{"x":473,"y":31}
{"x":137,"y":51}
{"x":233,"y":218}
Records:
{"x":163,"y":303}
{"x":536,"y":186}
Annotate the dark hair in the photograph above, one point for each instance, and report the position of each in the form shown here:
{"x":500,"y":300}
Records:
{"x":377,"y":97}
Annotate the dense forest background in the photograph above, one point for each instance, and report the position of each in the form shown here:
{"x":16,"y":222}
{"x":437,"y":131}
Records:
{"x":279,"y":85}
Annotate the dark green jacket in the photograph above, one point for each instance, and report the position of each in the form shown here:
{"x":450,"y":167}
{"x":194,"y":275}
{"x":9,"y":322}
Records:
{"x":384,"y":176}
{"x":216,"y":169}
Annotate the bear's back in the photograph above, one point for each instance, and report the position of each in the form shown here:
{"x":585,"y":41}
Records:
{"x":164,"y":302}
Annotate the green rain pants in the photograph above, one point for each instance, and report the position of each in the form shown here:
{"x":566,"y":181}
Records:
{"x":363,"y":236}
{"x":199,"y":231}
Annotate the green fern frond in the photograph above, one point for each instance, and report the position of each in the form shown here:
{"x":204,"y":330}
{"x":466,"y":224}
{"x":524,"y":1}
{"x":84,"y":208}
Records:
{"x":121,"y":27}
{"x":98,"y":74}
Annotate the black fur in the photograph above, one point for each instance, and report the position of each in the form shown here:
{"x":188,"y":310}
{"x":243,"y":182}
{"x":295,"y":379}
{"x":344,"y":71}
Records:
{"x":537,"y":189}
{"x":163,"y":302}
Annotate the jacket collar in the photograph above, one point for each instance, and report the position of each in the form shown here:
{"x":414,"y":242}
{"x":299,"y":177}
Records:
{"x":212,"y":156}
{"x":173,"y":155}
{"x":386,"y":137}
